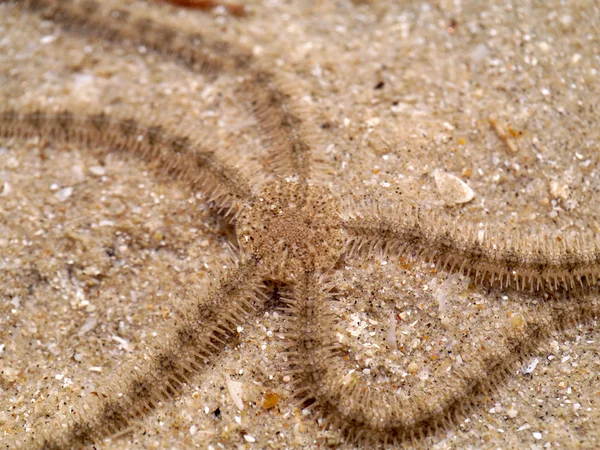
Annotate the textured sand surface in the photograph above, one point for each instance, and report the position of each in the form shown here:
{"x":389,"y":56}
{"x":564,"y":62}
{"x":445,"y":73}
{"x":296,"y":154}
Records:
{"x":500,"y":96}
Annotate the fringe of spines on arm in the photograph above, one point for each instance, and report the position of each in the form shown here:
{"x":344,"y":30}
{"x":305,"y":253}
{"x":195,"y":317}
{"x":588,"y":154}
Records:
{"x":380,"y":415}
{"x":199,"y":52}
{"x":174,"y":155}
{"x":286,"y":131}
{"x":543,"y":262}
{"x":204,"y":324}
{"x":204,"y":53}
{"x":267,"y":98}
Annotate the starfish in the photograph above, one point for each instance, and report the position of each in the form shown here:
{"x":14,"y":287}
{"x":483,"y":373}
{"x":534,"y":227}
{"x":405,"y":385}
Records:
{"x":292,"y":239}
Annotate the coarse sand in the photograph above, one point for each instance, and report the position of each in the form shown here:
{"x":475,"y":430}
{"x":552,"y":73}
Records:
{"x":487,"y":111}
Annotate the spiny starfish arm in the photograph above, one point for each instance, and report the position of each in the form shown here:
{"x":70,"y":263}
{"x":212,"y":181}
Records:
{"x":201,"y":53}
{"x":174,"y":155}
{"x":266,"y":96}
{"x":536,"y":263}
{"x":371,"y":412}
{"x":206,"y":322}
{"x":286,"y":132}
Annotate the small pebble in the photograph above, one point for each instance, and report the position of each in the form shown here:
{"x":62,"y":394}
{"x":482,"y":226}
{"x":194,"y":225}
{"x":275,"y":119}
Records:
{"x":271,"y":400}
{"x":47,"y":39}
{"x":8,"y":375}
{"x":559,"y":190}
{"x":5,"y":189}
{"x":512,"y":413}
{"x":527,"y":369}
{"x":97,"y":171}
{"x":516,"y":321}
{"x":451,"y":188}
{"x":64,"y":193}
{"x":413,"y":367}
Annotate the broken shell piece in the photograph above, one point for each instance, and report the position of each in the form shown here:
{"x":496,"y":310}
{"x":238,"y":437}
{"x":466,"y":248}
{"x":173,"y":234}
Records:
{"x":235,"y":389}
{"x":451,"y":188}
{"x":559,"y":190}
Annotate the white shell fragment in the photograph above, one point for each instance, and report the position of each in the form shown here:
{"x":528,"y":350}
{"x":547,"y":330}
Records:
{"x":451,"y":188}
{"x":235,"y":389}
{"x":450,"y":290}
{"x":527,"y":369}
{"x":64,"y":193}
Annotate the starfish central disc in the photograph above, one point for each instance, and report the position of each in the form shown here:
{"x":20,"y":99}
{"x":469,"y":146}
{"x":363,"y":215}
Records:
{"x":293,"y":229}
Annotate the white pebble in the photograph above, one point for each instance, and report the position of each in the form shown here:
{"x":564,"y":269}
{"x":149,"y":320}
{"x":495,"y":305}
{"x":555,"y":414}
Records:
{"x":193,"y":429}
{"x":451,"y":188}
{"x":413,"y":367}
{"x":559,"y":190}
{"x":544,"y":46}
{"x":64,"y":193}
{"x":47,"y":39}
{"x":5,"y":189}
{"x":97,"y":170}
{"x":8,"y":374}
{"x":537,"y":435}
{"x":527,"y":369}
{"x":249,"y":438}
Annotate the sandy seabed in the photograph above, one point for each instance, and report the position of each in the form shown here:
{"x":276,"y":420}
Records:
{"x":502,"y":96}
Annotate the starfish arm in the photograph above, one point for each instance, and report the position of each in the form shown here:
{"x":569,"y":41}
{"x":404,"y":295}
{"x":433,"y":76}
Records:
{"x":200,"y":53}
{"x":539,"y":263}
{"x":266,"y":96}
{"x":205,"y":323}
{"x":370,"y":412}
{"x":175,"y":155}
{"x":285,"y":130}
